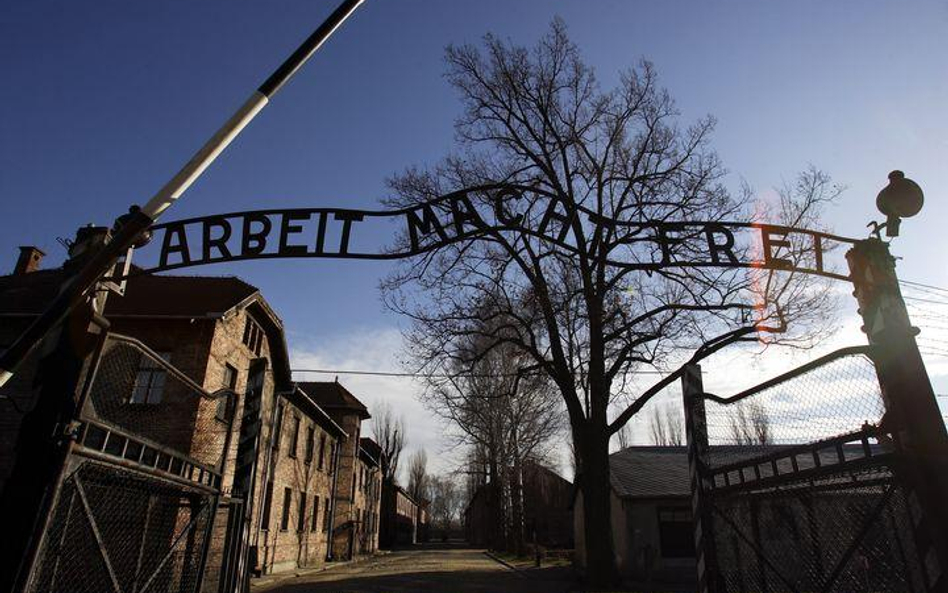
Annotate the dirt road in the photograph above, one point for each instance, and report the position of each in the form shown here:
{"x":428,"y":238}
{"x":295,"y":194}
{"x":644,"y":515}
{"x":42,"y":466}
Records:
{"x":446,"y":570}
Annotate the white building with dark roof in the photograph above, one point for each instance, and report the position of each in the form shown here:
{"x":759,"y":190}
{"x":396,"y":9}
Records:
{"x":651,"y":514}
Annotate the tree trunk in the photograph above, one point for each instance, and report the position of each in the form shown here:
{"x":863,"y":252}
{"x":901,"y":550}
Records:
{"x":516,"y":498}
{"x":601,"y":568}
{"x":498,"y":519}
{"x":516,"y":495}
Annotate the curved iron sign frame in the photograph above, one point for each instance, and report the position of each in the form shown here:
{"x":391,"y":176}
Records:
{"x":453,"y":218}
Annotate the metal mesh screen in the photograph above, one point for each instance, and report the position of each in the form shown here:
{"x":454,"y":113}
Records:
{"x":821,"y":537}
{"x":802,"y":492}
{"x":833,"y":399}
{"x":115,"y":530}
{"x":136,"y":391}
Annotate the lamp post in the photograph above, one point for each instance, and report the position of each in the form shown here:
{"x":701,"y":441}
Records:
{"x":902,"y":198}
{"x":912,"y":415}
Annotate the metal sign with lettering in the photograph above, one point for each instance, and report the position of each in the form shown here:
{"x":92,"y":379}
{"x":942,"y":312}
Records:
{"x":478,"y":213}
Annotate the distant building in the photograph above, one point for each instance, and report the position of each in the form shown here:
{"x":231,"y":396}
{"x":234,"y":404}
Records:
{"x":547,"y":511}
{"x":371,"y":459}
{"x":357,"y":491}
{"x":401,"y":517}
{"x":294,"y":527}
{"x":652,"y":530}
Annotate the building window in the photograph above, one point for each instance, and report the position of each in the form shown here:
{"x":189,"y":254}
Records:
{"x":285,"y":518}
{"x":253,"y":336}
{"x":149,"y":380}
{"x":278,"y":429}
{"x":326,"y":514}
{"x":322,"y":450}
{"x":224,"y":404}
{"x":332,"y":458}
{"x":310,"y":443}
{"x":267,"y":503}
{"x":676,"y":532}
{"x":294,"y":437}
{"x":314,"y":525}
{"x":301,"y":518}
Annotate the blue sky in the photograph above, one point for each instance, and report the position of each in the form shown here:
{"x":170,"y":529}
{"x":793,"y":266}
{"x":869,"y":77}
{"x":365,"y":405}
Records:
{"x":103,"y":100}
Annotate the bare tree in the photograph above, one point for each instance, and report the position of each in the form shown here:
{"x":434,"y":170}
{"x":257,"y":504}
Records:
{"x":418,"y":475}
{"x":656,"y":427}
{"x":624,"y":435}
{"x":475,"y":471}
{"x":389,"y":432}
{"x":445,"y":504}
{"x":674,"y":426}
{"x":760,"y":422}
{"x":750,"y":424}
{"x":505,"y":413}
{"x":599,"y":165}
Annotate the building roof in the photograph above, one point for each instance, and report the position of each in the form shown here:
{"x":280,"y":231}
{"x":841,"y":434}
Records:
{"x":150,"y":296}
{"x":180,"y":296}
{"x":650,"y":472}
{"x":370,"y":452}
{"x":408,"y":495}
{"x":301,"y":400}
{"x":372,"y":448}
{"x":145,"y":295}
{"x":661,"y":472}
{"x":28,"y":294}
{"x":331,"y":395}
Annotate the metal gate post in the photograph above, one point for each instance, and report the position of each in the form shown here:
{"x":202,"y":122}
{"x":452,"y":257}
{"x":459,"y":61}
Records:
{"x":912,"y":412}
{"x":46,"y":432}
{"x":696,"y":427}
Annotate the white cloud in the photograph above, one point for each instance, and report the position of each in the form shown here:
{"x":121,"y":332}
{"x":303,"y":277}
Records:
{"x":377,"y":349}
{"x":724,"y":374}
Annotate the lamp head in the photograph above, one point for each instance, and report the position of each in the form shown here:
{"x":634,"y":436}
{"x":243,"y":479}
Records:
{"x":901,"y":198}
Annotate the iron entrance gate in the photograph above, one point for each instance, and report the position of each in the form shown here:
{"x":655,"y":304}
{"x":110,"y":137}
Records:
{"x":135,"y":505}
{"x":798,"y":486}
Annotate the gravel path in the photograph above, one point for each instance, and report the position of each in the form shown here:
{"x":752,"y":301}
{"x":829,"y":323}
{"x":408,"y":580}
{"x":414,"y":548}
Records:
{"x":433,"y":570}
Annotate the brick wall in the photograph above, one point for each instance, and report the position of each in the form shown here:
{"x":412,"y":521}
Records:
{"x":291,"y":536}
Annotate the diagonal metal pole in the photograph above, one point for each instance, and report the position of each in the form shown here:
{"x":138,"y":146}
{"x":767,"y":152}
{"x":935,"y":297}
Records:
{"x":135,"y":225}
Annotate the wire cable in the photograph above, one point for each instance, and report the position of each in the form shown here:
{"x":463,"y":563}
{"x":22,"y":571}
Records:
{"x":921,"y":285}
{"x":422,"y":375}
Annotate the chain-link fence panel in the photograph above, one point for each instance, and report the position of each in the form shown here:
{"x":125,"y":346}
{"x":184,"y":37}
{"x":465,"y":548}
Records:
{"x":800,"y":484}
{"x":112,"y":529}
{"x":136,"y":391}
{"x":840,"y":396}
{"x":817,"y":537}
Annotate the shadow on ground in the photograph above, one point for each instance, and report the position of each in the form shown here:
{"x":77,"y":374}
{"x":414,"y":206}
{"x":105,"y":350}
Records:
{"x":441,"y":581}
{"x":440,"y":567}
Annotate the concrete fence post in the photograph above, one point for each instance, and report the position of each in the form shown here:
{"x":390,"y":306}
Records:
{"x":697,"y":433}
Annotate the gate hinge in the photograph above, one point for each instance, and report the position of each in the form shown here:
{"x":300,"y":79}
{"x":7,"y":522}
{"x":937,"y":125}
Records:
{"x":71,"y":431}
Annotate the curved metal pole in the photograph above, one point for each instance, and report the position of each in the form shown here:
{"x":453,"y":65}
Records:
{"x":132,"y":229}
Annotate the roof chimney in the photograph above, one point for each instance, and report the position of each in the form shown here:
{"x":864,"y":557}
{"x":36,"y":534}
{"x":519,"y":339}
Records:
{"x":29,"y":260}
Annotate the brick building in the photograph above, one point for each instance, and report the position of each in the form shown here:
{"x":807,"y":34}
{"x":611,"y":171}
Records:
{"x":279,"y":472}
{"x":295,"y":517}
{"x":403,"y":518}
{"x":358,"y":476}
{"x":368,"y":508}
{"x":210,"y":328}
